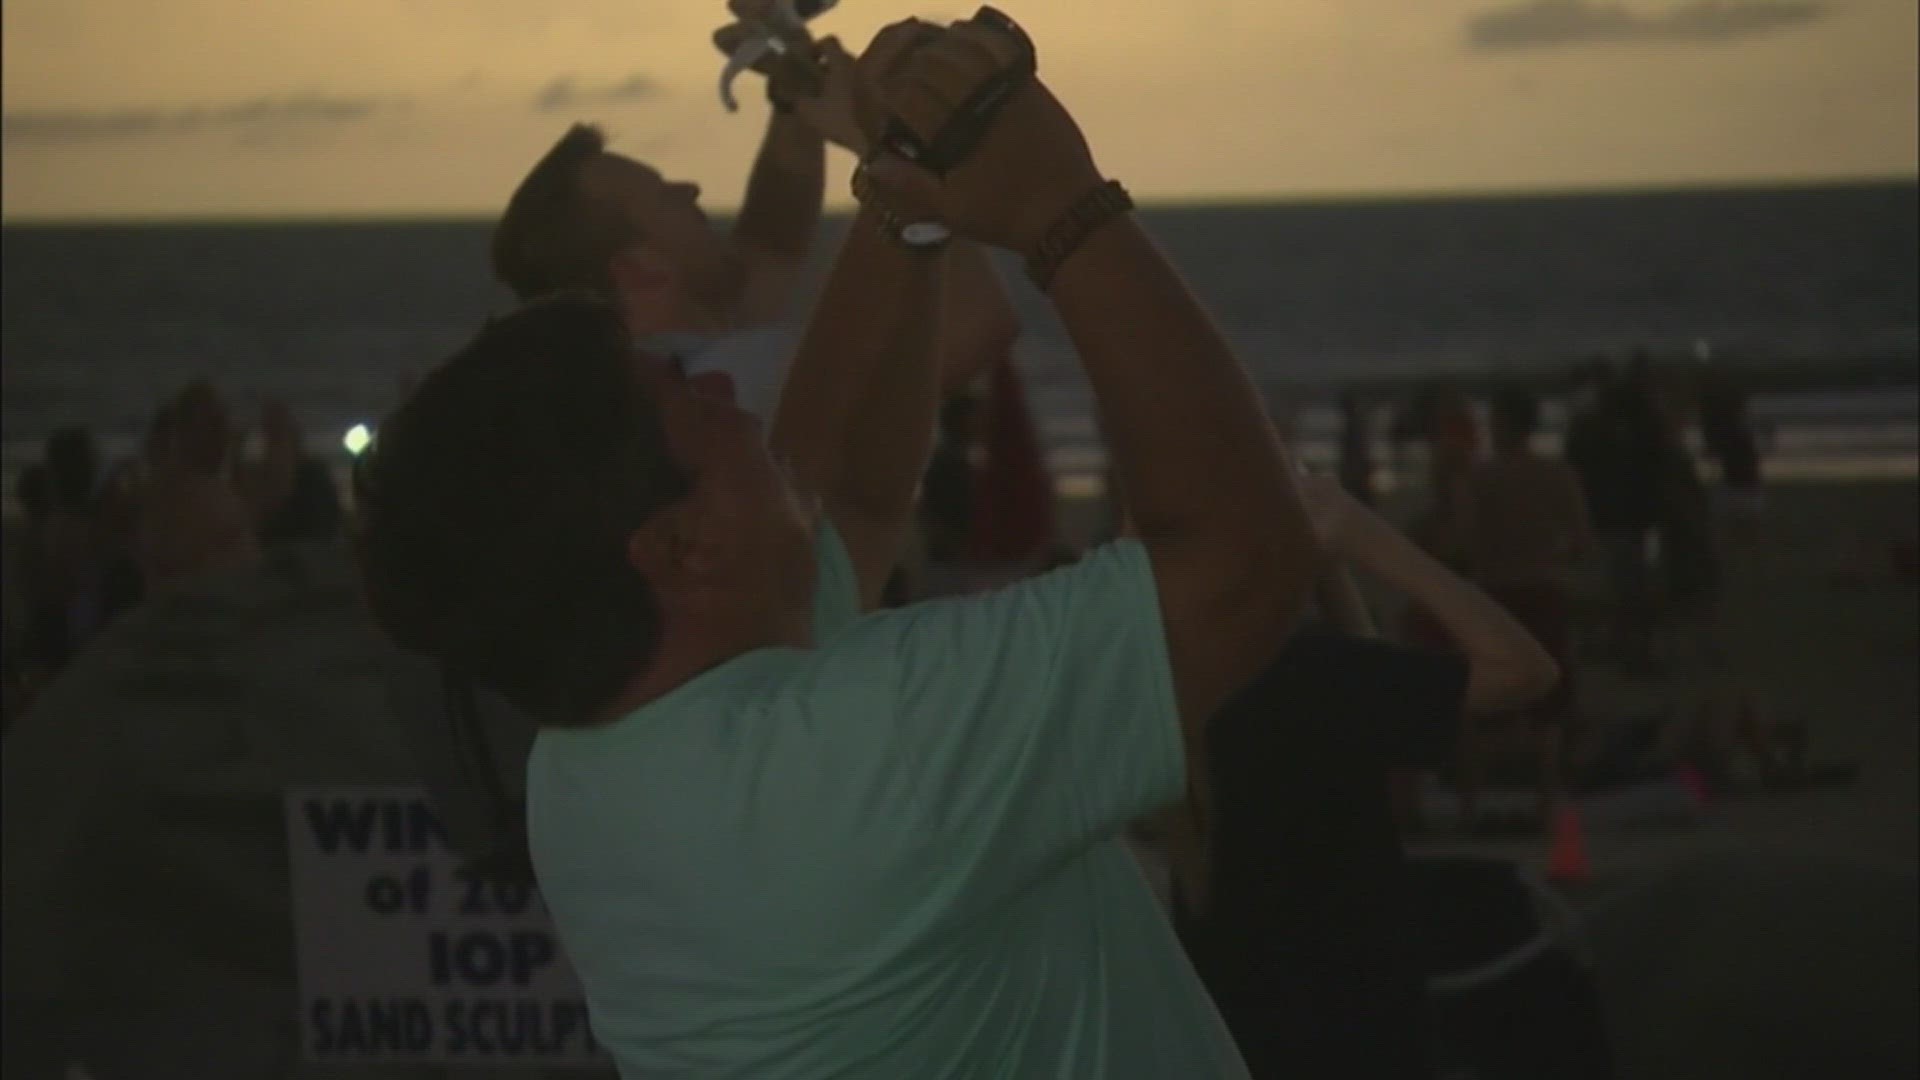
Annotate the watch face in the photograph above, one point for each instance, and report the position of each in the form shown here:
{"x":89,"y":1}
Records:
{"x":924,"y":234}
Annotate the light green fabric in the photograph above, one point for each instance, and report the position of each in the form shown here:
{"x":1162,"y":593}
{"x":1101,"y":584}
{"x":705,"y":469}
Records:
{"x":893,"y":855}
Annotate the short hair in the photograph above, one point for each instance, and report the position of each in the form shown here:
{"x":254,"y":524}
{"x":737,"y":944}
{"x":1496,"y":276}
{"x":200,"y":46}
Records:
{"x":1516,"y":416}
{"x":555,"y":237}
{"x":496,"y":504}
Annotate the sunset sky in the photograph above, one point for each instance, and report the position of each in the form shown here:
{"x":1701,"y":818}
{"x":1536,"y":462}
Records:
{"x":249,"y":108}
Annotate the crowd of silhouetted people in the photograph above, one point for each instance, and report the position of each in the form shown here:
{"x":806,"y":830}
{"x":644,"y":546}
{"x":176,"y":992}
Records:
{"x":94,"y":538}
{"x":1609,"y":551}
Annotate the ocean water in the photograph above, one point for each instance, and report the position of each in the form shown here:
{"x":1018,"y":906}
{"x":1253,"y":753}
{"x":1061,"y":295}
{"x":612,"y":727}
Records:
{"x":98,"y":323}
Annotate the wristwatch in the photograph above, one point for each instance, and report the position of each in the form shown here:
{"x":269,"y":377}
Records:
{"x":922,"y":235}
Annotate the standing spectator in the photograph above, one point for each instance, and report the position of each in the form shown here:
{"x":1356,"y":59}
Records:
{"x":35,"y":629}
{"x":1356,"y":448}
{"x":1453,"y":443}
{"x":1689,"y":560}
{"x":192,"y":517}
{"x":298,"y":500}
{"x":1452,"y":435}
{"x":1527,"y":529}
{"x":116,"y":523}
{"x":1614,"y":443}
{"x":267,"y":483}
{"x":73,"y":472}
{"x":1728,"y":432}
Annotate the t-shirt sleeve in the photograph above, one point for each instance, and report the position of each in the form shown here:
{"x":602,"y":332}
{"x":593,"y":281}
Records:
{"x":1390,"y":704}
{"x":756,"y":361}
{"x":1014,"y":729}
{"x":836,"y":589}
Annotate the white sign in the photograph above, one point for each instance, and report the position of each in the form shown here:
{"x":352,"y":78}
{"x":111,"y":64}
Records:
{"x":404,"y":960}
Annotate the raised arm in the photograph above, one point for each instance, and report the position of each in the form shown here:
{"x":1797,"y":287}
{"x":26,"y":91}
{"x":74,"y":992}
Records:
{"x":1507,"y":668}
{"x":779,"y":217}
{"x":1211,"y":488}
{"x":895,"y":330}
{"x":856,"y":415}
{"x":780,"y":213}
{"x":1342,"y":603}
{"x":1209,"y":485}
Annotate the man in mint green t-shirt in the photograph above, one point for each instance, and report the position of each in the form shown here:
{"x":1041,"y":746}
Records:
{"x":895,"y":850}
{"x":781,"y":837}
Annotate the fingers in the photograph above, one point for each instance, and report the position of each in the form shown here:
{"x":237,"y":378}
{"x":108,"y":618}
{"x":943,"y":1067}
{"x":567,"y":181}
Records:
{"x":752,"y":10}
{"x":886,"y":182}
{"x":834,"y":54}
{"x":889,"y":48}
{"x":894,"y":46}
{"x":728,"y":40}
{"x":995,"y":49}
{"x":920,"y":73}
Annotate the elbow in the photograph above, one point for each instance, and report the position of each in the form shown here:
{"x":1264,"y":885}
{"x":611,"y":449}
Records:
{"x":1537,"y":675}
{"x":1516,"y":679}
{"x":1280,"y":576}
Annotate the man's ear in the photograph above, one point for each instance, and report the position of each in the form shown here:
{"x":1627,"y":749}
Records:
{"x":671,"y":551}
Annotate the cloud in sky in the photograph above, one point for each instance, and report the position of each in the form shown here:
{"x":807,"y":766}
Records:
{"x":568,"y":93}
{"x":1550,"y":23}
{"x":257,"y":122}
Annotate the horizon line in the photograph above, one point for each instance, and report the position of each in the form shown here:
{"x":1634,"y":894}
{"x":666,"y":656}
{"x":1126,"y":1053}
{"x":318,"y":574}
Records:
{"x":1194,"y":201}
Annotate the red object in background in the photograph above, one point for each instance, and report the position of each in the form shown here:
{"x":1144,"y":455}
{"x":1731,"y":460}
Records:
{"x":1012,"y":519}
{"x":1567,"y":862}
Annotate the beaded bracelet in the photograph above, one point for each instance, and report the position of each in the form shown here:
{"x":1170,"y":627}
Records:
{"x":1085,"y":217}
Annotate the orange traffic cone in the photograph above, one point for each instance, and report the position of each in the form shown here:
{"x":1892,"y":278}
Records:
{"x":1567,"y":859}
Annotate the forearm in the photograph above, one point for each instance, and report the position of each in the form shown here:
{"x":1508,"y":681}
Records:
{"x":1192,"y":445}
{"x":1507,"y":667}
{"x":978,"y":325}
{"x":1343,"y":605}
{"x":856,"y":416}
{"x":781,"y":211}
{"x":830,"y":368}
{"x":888,"y":435}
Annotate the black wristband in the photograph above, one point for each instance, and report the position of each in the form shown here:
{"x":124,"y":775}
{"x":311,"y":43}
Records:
{"x":1085,"y":217}
{"x":797,"y":74}
{"x":781,"y":106}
